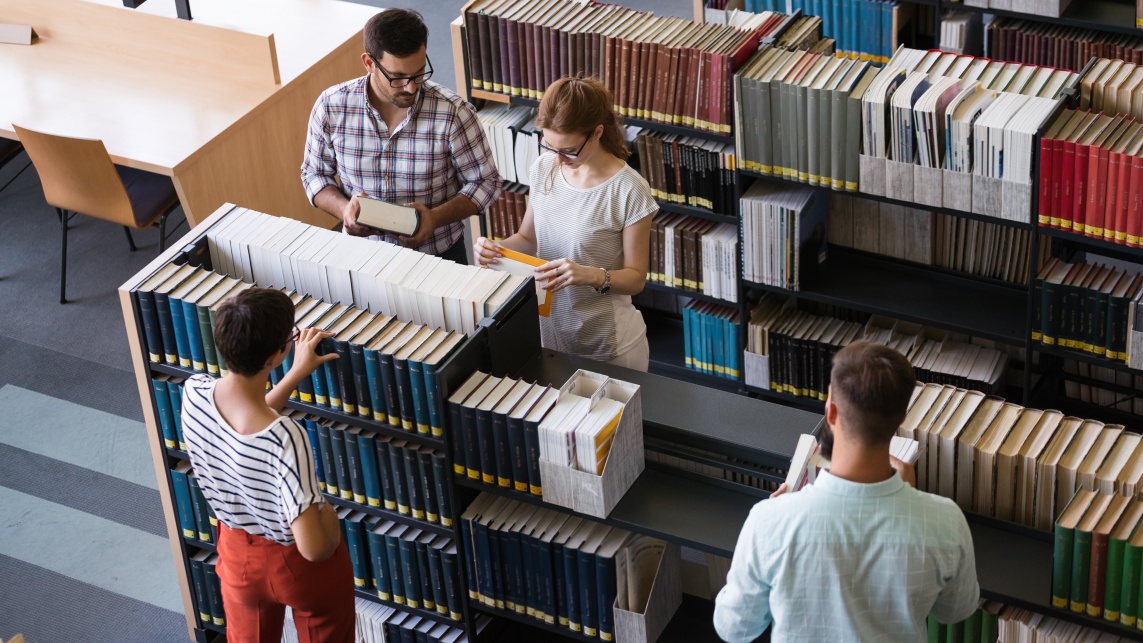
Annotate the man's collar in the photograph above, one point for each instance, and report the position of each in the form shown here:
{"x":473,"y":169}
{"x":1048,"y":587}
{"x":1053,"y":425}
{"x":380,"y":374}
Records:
{"x":830,"y":483}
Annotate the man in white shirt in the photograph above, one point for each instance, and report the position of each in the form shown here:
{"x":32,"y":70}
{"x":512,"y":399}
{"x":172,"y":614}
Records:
{"x":860,"y":555}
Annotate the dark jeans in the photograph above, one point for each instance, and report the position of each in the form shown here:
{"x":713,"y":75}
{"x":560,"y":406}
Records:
{"x":457,"y":253}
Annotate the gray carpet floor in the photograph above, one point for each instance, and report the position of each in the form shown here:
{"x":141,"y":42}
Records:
{"x":77,"y":353}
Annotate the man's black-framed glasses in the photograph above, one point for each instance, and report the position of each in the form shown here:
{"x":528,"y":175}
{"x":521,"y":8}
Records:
{"x":567,"y":155}
{"x":397,"y":82}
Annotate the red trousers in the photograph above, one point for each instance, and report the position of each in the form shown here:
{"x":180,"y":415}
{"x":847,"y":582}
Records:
{"x":261,"y":577}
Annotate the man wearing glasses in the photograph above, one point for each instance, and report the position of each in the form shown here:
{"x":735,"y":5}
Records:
{"x":395,"y":136}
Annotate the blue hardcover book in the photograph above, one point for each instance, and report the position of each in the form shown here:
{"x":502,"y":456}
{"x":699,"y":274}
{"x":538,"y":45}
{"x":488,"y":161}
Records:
{"x":835,"y":12}
{"x":163,"y":407}
{"x":180,"y":330}
{"x":367,"y":447}
{"x":310,"y":424}
{"x":183,"y":499}
{"x":688,"y":356}
{"x":355,"y":541}
{"x":175,"y":397}
{"x":194,"y":337}
{"x":410,"y":571}
{"x":393,"y":555}
{"x":853,"y":15}
{"x":151,"y":329}
{"x":719,"y":334}
{"x":735,"y":355}
{"x":420,"y":396}
{"x":321,"y":393}
{"x":436,"y":574}
{"x":376,"y":392}
{"x":421,"y":549}
{"x":330,"y":375}
{"x":380,"y":559}
{"x":588,"y":601}
{"x":450,"y":569}
{"x":360,"y":381}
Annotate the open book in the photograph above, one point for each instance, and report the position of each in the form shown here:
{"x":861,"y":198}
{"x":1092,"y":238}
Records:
{"x":388,"y":217}
{"x":518,"y":263}
{"x":808,"y":460}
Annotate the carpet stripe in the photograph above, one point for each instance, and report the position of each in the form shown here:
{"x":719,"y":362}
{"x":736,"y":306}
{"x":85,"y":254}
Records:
{"x":89,"y":549}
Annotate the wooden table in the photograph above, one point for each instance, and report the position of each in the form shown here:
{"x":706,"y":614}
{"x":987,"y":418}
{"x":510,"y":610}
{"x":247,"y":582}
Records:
{"x":220,"y":104}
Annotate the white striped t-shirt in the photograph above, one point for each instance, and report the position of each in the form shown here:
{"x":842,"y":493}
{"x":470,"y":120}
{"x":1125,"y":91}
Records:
{"x":258,"y":483}
{"x":586,"y":226}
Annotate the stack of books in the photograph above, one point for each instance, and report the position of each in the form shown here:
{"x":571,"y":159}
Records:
{"x":559,"y":569}
{"x":687,"y":170}
{"x":783,"y":233}
{"x":519,"y":48}
{"x":865,"y":29}
{"x":512,"y":138}
{"x":694,"y":254}
{"x":1039,"y":43}
{"x":1098,"y":556}
{"x":403,"y":564}
{"x":506,"y":215}
{"x":378,"y":471}
{"x":1085,"y":307}
{"x":710,"y":339}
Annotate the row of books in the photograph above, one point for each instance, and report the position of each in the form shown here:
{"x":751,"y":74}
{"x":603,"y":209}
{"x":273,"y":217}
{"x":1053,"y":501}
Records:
{"x":961,"y":32}
{"x":1041,"y":43}
{"x":1111,"y":86}
{"x":207,"y":588}
{"x":710,"y":339}
{"x":494,"y":424}
{"x":799,"y":347}
{"x":995,"y":621}
{"x":783,"y":233}
{"x":1050,"y":8}
{"x":865,"y":29}
{"x":687,"y":170}
{"x":1103,"y":387}
{"x":512,"y":138}
{"x":960,"y":113}
{"x":1091,"y":168}
{"x":1097,"y":562}
{"x":168,"y":392}
{"x":559,"y":569}
{"x":506,"y":215}
{"x":1017,"y":464}
{"x":689,"y":253}
{"x":1085,"y":307}
{"x":519,"y":48}
{"x":805,"y":32}
{"x":799,"y":116}
{"x":379,"y":471}
{"x":932,"y":238}
{"x":403,"y":564}
{"x":377,"y":623}
{"x":379,"y":277}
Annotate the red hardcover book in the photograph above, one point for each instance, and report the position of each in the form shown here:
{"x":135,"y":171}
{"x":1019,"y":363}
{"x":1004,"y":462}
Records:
{"x":1079,"y":186}
{"x":513,"y":43}
{"x":634,"y":73}
{"x":670,"y":90}
{"x":1057,"y":181}
{"x":1044,"y":216}
{"x":1117,"y":226}
{"x":1091,"y":199}
{"x":1067,"y":190}
{"x":498,"y":27}
{"x":1101,"y":193}
{"x":1115,"y":159}
{"x":682,"y":70}
{"x":1135,"y":216}
{"x":527,"y":59}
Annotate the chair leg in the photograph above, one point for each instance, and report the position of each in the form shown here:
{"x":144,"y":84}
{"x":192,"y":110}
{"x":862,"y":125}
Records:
{"x":130,"y":240}
{"x":63,"y":256}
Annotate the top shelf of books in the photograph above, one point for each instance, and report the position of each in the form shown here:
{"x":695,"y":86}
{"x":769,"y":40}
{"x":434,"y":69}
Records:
{"x":1100,"y":15}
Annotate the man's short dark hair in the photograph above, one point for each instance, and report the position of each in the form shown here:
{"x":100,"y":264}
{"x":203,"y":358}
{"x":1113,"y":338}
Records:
{"x":871,"y":385}
{"x":251,"y":326}
{"x":401,"y":32}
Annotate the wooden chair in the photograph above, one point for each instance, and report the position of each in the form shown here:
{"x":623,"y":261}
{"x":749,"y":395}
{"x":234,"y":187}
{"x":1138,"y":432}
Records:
{"x":9,"y":150}
{"x":79,"y":177}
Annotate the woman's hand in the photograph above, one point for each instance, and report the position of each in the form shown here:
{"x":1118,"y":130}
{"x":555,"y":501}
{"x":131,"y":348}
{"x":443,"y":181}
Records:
{"x":562,"y":273}
{"x":306,"y":359}
{"x":485,"y":251}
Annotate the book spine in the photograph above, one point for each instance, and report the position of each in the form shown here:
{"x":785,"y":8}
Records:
{"x":1129,"y":590}
{"x":388,"y":492}
{"x":201,"y":510}
{"x":166,"y":416}
{"x":311,"y":427}
{"x":353,"y":466}
{"x":419,"y":397}
{"x":194,"y":337}
{"x":175,"y":396}
{"x":425,"y":481}
{"x":1081,"y":568}
{"x":451,"y":567}
{"x":180,"y":330}
{"x":397,"y":471}
{"x":389,"y":388}
{"x":201,"y":595}
{"x":340,"y":462}
{"x":501,"y":448}
{"x":1097,"y":575}
{"x":456,"y":437}
{"x":433,"y":400}
{"x":356,"y":545}
{"x":442,"y":485}
{"x":378,"y":407}
{"x":209,"y":351}
{"x":326,"y":451}
{"x":486,"y":458}
{"x":367,"y":454}
{"x":1113,"y":579}
{"x":413,"y":482}
{"x":380,"y":565}
{"x":424,"y":586}
{"x":152,"y":331}
{"x":404,"y":393}
{"x":214,"y":591}
{"x":396,"y":569}
{"x":184,"y":504}
{"x":436,"y":580}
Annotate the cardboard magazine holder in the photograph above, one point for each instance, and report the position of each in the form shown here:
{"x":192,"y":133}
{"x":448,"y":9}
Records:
{"x":986,"y":195}
{"x":957,"y":189}
{"x":665,"y":597}
{"x":899,"y":180}
{"x":756,"y":370}
{"x":1016,"y":201}
{"x":588,"y":493}
{"x":929,"y":186}
{"x":871,"y":175}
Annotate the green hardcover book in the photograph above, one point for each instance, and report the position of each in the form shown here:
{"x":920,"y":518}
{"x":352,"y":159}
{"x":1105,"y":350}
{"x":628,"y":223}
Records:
{"x":1129,"y":591}
{"x":1081,"y":553}
{"x":214,"y":589}
{"x":1116,"y":550}
{"x":990,"y":621}
{"x":972,"y":627}
{"x":198,"y":581}
{"x":1064,"y":544}
{"x":402,"y":378}
{"x":934,"y":629}
{"x":954,"y":632}
{"x":202,"y":311}
{"x":353,"y":465}
{"x":417,"y":380}
{"x":1052,"y":303}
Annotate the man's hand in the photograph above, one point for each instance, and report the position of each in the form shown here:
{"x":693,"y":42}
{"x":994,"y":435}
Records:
{"x":779,"y":491}
{"x":428,"y":226}
{"x":349,"y":218}
{"x":905,"y":469}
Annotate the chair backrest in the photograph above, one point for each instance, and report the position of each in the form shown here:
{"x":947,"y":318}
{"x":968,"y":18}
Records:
{"x":78,"y":175}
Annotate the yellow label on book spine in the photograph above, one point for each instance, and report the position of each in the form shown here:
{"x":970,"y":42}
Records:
{"x":204,"y":536}
{"x":447,"y":522}
{"x":412,"y":603}
{"x":487,"y":478}
{"x":550,"y":620}
{"x":205,"y":616}
{"x":437,"y":431}
{"x":348,"y":409}
{"x":476,"y":84}
{"x":1054,"y":222}
{"x":535,"y":491}
{"x":605,"y":636}
{"x":188,"y":533}
{"x":402,"y":509}
{"x":1127,"y":619}
{"x":1110,"y":615}
{"x":589,"y":631}
{"x":419,"y":514}
{"x":1044,"y":219}
{"x":346,"y":494}
{"x":359,"y":582}
{"x":182,"y":446}
{"x":432,"y":517}
{"x":322,"y":400}
{"x":815,"y":179}
{"x":423,"y":429}
{"x":497,"y":87}
{"x":170,"y":444}
{"x":473,"y":595}
{"x":803,"y":176}
{"x":307,"y":398}
{"x":185,"y":363}
{"x":766,"y":169}
{"x":394,"y":420}
{"x":199,"y":366}
{"x":155,"y":357}
{"x":503,"y":482}
{"x":364,"y":412}
{"x":374,"y":502}
{"x":472,"y":473}
{"x":575,"y":627}
{"x":383,"y":595}
{"x":1077,"y":607}
{"x":458,"y":469}
{"x":390,"y":505}
{"x":1094,"y":610}
{"x":359,"y":499}
{"x":658,"y":116}
{"x":851,"y":186}
{"x":332,"y":488}
{"x":456,"y":616}
{"x":1120,"y":237}
{"x":1035,"y":335}
{"x":407,"y":425}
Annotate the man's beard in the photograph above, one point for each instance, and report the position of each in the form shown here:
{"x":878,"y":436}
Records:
{"x":825,"y":442}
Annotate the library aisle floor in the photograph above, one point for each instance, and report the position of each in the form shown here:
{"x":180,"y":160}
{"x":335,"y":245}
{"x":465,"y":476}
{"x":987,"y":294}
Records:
{"x":83,"y":551}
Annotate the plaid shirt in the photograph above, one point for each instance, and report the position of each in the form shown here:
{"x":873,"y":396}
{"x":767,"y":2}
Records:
{"x":437,"y":152}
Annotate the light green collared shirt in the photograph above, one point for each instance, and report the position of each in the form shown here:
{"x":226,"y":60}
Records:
{"x":845,"y":561}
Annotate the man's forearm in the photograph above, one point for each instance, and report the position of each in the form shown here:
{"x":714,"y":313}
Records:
{"x":331,"y":200}
{"x":458,"y":208}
